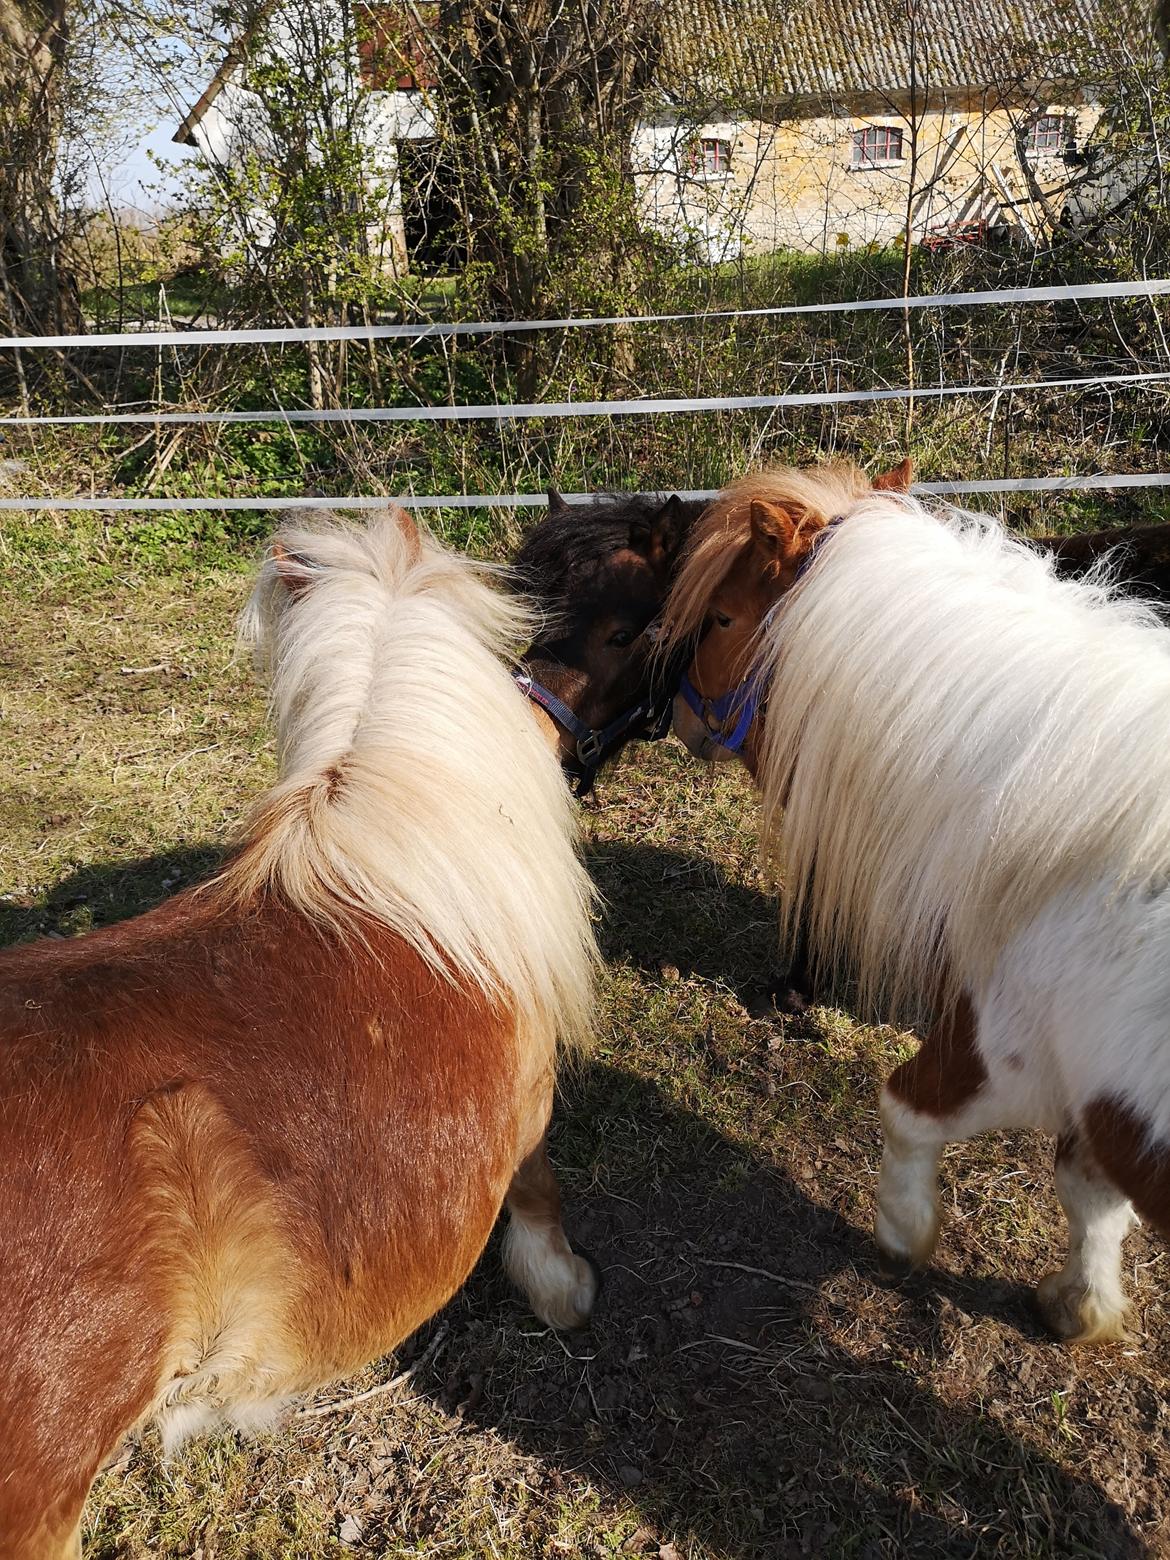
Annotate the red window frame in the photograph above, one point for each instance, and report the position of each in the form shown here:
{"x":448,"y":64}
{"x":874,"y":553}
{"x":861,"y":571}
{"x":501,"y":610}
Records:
{"x":877,"y":144}
{"x":1047,"y":136}
{"x":711,"y":155}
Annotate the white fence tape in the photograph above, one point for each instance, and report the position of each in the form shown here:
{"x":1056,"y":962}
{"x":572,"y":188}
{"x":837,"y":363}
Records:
{"x":421,"y":331}
{"x":641,"y":406}
{"x":1096,"y":480}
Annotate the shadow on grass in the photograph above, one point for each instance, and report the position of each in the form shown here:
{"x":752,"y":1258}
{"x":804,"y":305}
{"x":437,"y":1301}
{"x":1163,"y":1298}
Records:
{"x":794,"y":1410}
{"x":664,"y":909}
{"x":97,"y":894}
{"x":746,"y":1384}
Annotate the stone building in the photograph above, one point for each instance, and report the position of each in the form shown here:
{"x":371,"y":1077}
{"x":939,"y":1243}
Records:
{"x":803,"y":124}
{"x":828,"y":123}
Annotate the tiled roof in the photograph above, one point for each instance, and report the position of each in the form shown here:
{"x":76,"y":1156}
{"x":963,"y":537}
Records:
{"x":776,"y":49}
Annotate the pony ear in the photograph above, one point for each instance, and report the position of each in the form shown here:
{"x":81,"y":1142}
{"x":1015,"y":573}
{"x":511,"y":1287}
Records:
{"x":897,"y":480}
{"x":293,"y":570}
{"x":773,"y":529}
{"x":409,"y":528}
{"x":659,"y":538}
{"x":556,"y":502}
{"x":668,"y":529}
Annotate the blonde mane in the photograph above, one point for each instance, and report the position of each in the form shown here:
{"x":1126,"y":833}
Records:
{"x":415,"y":788}
{"x":811,"y":496}
{"x":955,"y":737}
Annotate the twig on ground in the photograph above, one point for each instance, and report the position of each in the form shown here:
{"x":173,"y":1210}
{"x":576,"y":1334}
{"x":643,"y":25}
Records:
{"x":194,"y":753}
{"x":777,"y":1278}
{"x":732,"y":1343}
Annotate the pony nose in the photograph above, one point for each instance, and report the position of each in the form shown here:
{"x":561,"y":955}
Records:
{"x":689,"y":729}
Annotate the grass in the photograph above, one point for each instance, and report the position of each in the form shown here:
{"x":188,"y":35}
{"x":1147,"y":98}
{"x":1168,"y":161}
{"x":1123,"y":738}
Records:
{"x":184,"y":297}
{"x":748,"y":1389}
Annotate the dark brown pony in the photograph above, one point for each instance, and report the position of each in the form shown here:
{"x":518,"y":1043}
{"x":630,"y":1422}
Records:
{"x":252,"y":1139}
{"x":599,"y":573}
{"x":1140,"y":555}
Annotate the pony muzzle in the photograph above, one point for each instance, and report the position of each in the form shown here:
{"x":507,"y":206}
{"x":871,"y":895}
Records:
{"x":699,"y":739}
{"x":715,"y":729}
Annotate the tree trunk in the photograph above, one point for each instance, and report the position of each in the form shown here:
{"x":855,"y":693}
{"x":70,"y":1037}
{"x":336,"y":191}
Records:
{"x":39,"y":294}
{"x":539,"y":104}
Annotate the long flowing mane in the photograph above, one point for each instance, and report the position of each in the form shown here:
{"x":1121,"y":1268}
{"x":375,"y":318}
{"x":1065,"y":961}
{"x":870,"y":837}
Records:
{"x":725,"y":530}
{"x":415,"y":788}
{"x":954,"y":737}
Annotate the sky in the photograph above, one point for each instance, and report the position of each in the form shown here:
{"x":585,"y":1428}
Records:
{"x":142,"y":103}
{"x":137,"y":180}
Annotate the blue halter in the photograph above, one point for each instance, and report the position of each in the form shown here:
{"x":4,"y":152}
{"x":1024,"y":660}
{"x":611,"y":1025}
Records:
{"x":744,"y":700}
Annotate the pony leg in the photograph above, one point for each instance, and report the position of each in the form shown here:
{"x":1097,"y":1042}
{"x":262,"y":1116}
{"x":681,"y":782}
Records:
{"x":561,"y":1286}
{"x":907,"y":1219}
{"x":941,"y":1095}
{"x":1084,"y":1301}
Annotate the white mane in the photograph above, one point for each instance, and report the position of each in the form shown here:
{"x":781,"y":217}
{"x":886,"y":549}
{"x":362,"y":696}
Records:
{"x":953,"y":737}
{"x":415,"y":785}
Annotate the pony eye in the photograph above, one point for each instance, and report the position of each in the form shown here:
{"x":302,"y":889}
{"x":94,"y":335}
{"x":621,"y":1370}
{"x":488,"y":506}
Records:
{"x":722,"y":619}
{"x":623,"y":637}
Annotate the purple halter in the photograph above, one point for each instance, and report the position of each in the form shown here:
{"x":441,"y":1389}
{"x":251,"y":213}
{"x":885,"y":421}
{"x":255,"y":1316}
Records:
{"x":744,"y":700}
{"x":649,"y":719}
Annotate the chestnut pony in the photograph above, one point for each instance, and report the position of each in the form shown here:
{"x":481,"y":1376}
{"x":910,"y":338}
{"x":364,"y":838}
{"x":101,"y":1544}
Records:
{"x":964,"y":763}
{"x":252,"y":1139}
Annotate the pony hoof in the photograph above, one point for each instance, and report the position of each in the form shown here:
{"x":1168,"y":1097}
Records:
{"x":565,"y":1292}
{"x":1072,"y":1313}
{"x":894,"y":1267}
{"x":595,"y":1268}
{"x":794,"y":1001}
{"x":779,"y":998}
{"x":905,"y":1247}
{"x":568,"y":1306}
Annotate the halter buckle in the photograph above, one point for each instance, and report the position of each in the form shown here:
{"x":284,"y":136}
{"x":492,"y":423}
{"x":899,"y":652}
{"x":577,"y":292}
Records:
{"x":589,"y":748}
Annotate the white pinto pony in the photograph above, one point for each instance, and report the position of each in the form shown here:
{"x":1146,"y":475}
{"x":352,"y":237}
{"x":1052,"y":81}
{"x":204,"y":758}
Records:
{"x":965,"y":767}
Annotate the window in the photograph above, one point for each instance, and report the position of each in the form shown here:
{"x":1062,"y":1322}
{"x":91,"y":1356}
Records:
{"x":392,"y":48}
{"x":711,"y":156}
{"x":876,"y":144}
{"x":1048,"y":136}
